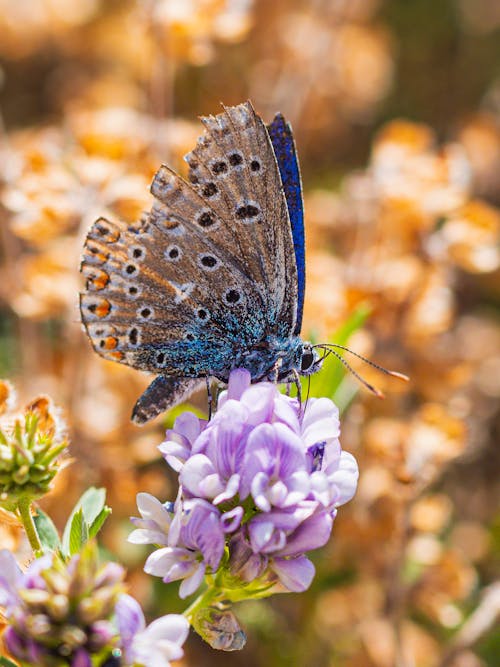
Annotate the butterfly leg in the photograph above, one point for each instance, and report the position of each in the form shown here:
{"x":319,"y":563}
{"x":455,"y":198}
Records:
{"x":209,"y":397}
{"x":298,"y":385}
{"x":161,"y":395}
{"x":219,"y":388}
{"x":276,"y":370}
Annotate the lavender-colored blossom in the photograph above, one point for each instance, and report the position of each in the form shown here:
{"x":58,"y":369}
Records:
{"x":260,"y":444}
{"x":10,"y":579}
{"x":265,"y":473}
{"x":155,"y":645}
{"x":194,"y":539}
{"x":179,"y":440}
{"x":274,"y":467}
{"x":23,"y":648}
{"x":154,"y":525}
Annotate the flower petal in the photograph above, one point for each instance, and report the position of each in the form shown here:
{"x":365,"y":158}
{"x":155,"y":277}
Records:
{"x":130,"y":619}
{"x":191,"y":583}
{"x":345,"y":478}
{"x":312,"y":533}
{"x":296,"y":574}
{"x":239,"y":381}
{"x":152,"y":509}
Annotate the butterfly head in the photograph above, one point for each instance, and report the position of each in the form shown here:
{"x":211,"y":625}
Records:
{"x":310,"y":361}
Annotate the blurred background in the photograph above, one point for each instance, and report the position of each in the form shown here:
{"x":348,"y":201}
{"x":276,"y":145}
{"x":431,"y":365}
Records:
{"x":396,"y":112}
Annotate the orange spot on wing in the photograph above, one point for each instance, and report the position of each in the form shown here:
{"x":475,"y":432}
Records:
{"x":110,"y":343}
{"x":103,"y":308}
{"x":97,"y":278}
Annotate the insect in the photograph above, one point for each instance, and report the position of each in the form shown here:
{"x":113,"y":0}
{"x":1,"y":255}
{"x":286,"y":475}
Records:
{"x":213,"y":277}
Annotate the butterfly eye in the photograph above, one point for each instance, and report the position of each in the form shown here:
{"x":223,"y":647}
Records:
{"x":306,"y":361}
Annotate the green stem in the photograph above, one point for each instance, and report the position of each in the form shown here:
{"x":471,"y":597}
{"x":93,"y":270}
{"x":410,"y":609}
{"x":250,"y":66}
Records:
{"x":24,"y":509}
{"x":204,"y":600}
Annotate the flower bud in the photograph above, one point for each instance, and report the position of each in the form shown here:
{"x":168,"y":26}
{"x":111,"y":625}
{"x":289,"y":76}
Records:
{"x":219,"y":627}
{"x":30,"y":448}
{"x":56,"y":610}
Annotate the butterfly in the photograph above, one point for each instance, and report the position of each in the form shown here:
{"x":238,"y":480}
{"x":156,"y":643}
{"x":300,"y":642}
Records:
{"x":213,"y":277}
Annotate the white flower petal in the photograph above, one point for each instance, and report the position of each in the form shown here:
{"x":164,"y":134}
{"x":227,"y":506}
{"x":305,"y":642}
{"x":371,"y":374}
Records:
{"x":151,"y":508}
{"x":190,"y":584}
{"x":143,"y":536}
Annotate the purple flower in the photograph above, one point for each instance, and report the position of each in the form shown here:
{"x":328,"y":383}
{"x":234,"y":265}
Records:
{"x":11,"y":579}
{"x":194,"y":536}
{"x":274,"y":467}
{"x":154,"y":526}
{"x":23,"y":648}
{"x":260,"y":444}
{"x":178,"y":442}
{"x":155,"y":645}
{"x":263,"y":478}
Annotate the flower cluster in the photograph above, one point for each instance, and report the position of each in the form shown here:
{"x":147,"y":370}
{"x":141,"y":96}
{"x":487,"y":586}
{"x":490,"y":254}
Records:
{"x":259,"y":487}
{"x":69,"y":614}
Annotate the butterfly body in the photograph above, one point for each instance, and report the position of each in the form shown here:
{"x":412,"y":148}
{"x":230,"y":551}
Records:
{"x":212,"y":278}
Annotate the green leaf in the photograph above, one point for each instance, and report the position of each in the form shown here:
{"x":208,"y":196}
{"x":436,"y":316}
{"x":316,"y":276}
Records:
{"x":47,"y":532}
{"x":98,"y":522}
{"x":79,"y":533}
{"x":91,"y":503}
{"x":5,"y":662}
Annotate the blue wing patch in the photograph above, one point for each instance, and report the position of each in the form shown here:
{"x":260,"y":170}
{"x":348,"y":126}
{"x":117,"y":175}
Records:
{"x":281,"y":136}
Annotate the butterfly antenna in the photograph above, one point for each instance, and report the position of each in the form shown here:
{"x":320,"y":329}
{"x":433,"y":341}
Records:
{"x":395,"y":374}
{"x":360,"y":379}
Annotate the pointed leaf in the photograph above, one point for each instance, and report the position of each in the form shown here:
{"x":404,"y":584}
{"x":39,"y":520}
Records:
{"x":5,"y":662}
{"x":47,"y":532}
{"x":78,"y":534}
{"x":99,"y":521}
{"x":91,"y":503}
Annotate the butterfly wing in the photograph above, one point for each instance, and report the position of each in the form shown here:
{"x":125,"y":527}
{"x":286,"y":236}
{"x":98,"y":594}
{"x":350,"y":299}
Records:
{"x":162,"y":394}
{"x":211,"y":269}
{"x":281,"y":136}
{"x":234,"y":167}
{"x":149,"y":303}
